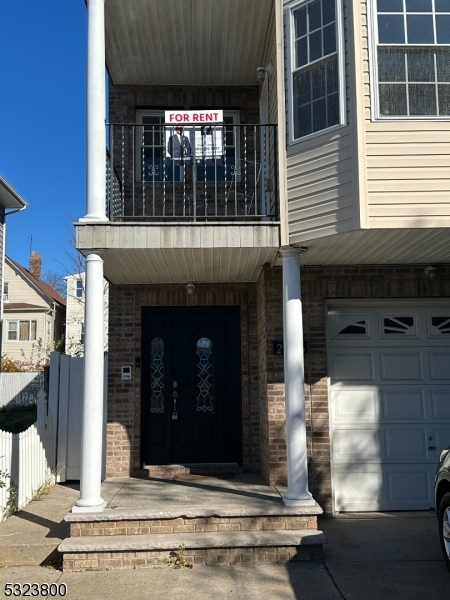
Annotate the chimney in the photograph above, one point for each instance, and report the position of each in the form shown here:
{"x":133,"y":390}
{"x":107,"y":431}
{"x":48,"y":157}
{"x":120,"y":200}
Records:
{"x":35,"y":264}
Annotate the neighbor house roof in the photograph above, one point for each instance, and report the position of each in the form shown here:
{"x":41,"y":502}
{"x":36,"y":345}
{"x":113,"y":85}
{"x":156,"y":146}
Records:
{"x":43,"y":287}
{"x":21,"y":306}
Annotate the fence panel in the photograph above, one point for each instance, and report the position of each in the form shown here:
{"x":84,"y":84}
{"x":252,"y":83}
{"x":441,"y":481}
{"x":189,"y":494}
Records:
{"x":27,"y":458}
{"x":20,"y":389}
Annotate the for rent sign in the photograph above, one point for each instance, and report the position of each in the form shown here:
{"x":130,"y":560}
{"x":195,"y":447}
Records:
{"x":174,"y":117}
{"x":195,"y":134}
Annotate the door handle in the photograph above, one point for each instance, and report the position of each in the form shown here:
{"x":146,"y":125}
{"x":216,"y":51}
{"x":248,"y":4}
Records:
{"x":431,"y":447}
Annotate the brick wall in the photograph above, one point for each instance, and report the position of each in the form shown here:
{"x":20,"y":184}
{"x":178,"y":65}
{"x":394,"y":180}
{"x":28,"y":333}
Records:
{"x":263,"y":414}
{"x":124,"y":397}
{"x":318,"y":285}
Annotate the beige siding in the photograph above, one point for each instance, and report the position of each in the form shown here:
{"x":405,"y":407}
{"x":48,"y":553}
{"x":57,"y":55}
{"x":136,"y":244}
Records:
{"x":320,"y":176}
{"x":24,"y":350}
{"x":49,"y":322}
{"x":75,"y":316}
{"x":20,"y":290}
{"x":407,"y":165}
{"x":270,"y":57}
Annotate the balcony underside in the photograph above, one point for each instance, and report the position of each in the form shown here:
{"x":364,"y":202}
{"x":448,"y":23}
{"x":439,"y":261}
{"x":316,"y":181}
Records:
{"x":205,"y":42}
{"x":378,"y":247}
{"x":179,"y":253}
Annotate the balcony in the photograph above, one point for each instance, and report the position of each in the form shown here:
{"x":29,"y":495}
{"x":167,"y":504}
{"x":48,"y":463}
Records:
{"x":210,"y":174}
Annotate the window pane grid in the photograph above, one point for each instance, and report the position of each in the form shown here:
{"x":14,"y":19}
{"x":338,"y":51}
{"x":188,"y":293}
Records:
{"x":315,"y":72}
{"x":408,"y":23}
{"x":23,"y":331}
{"x":425,"y":93}
{"x":310,"y":22}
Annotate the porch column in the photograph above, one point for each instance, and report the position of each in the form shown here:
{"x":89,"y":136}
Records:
{"x":90,"y":499}
{"x":96,"y":113}
{"x":294,"y":377}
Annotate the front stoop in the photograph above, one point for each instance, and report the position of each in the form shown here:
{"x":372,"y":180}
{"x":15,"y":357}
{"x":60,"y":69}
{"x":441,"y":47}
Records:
{"x":229,"y":470}
{"x":129,"y":539}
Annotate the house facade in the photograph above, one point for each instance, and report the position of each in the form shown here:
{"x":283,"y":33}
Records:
{"x":74,"y":329}
{"x":279,"y":289}
{"x":34,"y":313}
{"x":10,"y":202}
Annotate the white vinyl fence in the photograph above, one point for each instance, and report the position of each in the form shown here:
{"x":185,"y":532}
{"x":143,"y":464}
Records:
{"x":28,"y":458}
{"x":20,"y":389}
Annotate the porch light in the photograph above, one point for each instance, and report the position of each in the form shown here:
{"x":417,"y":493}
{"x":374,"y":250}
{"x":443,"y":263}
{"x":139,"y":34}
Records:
{"x":430,"y":272}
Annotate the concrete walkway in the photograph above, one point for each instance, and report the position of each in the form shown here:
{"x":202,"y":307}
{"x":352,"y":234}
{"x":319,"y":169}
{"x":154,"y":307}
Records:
{"x":392,"y":556}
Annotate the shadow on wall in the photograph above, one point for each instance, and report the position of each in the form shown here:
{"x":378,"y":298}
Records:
{"x":20,"y":389}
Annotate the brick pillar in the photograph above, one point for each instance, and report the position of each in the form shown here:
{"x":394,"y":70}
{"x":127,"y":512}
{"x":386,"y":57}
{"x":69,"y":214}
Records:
{"x":271,"y":371}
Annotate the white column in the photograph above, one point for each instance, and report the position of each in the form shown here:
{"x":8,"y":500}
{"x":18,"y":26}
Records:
{"x":90,"y":499}
{"x":96,"y":98}
{"x":294,"y":379}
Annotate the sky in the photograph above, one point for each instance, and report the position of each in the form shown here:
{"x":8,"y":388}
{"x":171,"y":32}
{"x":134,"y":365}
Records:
{"x":42,"y":124}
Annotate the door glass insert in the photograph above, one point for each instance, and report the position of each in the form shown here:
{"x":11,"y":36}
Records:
{"x":204,"y":375}
{"x":157,"y":377}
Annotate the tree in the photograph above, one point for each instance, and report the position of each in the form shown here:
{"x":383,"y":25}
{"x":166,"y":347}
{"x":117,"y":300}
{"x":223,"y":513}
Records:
{"x":56,"y":281}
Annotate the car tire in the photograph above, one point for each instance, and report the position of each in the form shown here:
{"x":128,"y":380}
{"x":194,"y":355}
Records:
{"x":444,"y":528}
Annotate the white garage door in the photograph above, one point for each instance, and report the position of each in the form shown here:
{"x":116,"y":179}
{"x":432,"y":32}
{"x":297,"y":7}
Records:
{"x":389,"y":368}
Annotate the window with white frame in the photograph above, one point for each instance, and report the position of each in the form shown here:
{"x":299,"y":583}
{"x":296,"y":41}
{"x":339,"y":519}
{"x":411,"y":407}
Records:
{"x":79,"y":292}
{"x":411,"y":58}
{"x":5,"y":290}
{"x":316,"y":87}
{"x":22,"y":331}
{"x":151,"y":157}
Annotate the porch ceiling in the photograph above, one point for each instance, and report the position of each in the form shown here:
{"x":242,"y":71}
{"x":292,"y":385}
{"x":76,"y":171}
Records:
{"x":152,"y":254}
{"x":378,"y":247}
{"x":185,"y":42}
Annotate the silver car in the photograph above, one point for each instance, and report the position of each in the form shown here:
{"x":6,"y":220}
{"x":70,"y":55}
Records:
{"x":442,"y":502}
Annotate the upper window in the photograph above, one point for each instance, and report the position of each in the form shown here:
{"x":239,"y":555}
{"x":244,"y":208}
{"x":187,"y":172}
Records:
{"x":5,"y":290}
{"x":412,"y":48}
{"x":316,"y":95}
{"x":79,"y":289}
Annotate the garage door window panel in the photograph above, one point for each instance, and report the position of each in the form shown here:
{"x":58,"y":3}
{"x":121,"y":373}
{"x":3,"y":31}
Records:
{"x":440,"y":325}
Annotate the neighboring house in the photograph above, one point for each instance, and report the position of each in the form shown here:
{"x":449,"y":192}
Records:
{"x":75,"y":314}
{"x":34,"y":313}
{"x":10,"y":202}
{"x":333,"y":164}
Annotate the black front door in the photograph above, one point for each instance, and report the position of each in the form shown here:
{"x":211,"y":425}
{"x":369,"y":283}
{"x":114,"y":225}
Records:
{"x":191,"y":385}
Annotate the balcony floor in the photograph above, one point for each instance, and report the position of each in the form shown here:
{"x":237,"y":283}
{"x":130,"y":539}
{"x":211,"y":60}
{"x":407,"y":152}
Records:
{"x":152,"y":253}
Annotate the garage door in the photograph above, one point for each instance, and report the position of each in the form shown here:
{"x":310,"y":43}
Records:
{"x":389,"y":368}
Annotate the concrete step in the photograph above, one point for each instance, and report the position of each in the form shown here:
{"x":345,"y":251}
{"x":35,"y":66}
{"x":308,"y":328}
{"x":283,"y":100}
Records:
{"x":191,"y":471}
{"x":259,"y":516}
{"x":119,"y":551}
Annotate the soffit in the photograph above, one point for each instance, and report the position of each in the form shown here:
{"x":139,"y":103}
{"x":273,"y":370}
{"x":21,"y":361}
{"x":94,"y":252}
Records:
{"x":185,"y":42}
{"x":9,"y":198}
{"x":378,"y":247}
{"x":177,"y":265}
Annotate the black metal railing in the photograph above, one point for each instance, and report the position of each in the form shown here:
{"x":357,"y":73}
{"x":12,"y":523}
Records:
{"x":202,"y":173}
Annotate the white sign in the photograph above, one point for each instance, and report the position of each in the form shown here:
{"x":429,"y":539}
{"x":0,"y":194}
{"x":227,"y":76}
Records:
{"x":194,"y":134}
{"x":192,"y":117}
